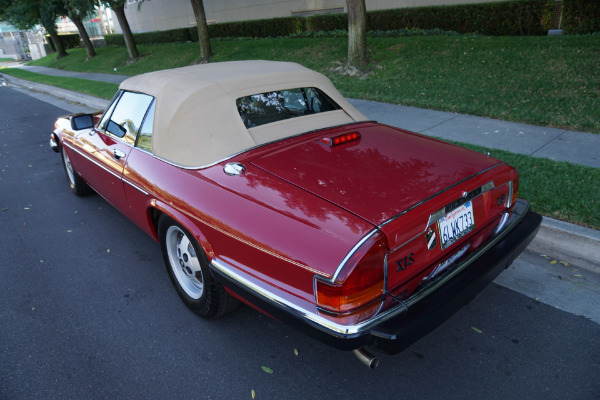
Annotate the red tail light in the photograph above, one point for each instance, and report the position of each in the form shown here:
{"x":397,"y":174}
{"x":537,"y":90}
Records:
{"x":359,"y":282}
{"x":341,"y":139}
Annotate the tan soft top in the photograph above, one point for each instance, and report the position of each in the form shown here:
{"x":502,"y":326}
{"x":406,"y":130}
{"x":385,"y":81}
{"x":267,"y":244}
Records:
{"x":196,"y":122}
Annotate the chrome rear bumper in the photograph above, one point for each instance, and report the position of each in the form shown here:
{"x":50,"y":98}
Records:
{"x":397,"y":327}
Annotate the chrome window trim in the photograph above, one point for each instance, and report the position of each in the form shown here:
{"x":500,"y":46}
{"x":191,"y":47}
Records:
{"x":116,"y":99}
{"x":112,"y":101}
{"x":340,"y":330}
{"x":137,"y":136}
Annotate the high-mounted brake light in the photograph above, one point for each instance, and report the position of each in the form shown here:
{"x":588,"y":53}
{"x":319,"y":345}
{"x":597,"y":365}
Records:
{"x":340,"y":139}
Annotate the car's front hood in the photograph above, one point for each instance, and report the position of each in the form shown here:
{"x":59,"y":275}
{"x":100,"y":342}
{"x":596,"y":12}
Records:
{"x":378,"y":176}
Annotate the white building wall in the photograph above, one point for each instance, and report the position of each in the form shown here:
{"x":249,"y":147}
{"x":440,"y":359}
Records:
{"x":160,"y":15}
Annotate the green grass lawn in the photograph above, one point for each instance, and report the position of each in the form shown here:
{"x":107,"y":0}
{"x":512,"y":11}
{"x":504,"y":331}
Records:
{"x":557,"y":189}
{"x":550,"y":81}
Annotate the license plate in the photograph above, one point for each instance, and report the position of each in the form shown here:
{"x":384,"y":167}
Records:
{"x":456,"y":224}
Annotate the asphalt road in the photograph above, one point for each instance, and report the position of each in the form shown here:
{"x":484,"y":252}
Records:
{"x":87,"y":312}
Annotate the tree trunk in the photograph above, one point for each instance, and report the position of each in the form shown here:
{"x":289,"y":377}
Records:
{"x":84,"y":37}
{"x":127,"y":35}
{"x":357,"y":33}
{"x":203,"y":39}
{"x":60,"y":49}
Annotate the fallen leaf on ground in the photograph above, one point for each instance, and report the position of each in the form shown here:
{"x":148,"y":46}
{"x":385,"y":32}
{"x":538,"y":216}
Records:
{"x":267,"y":369}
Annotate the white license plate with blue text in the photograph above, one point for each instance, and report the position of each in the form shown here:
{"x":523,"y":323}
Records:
{"x":456,"y":224}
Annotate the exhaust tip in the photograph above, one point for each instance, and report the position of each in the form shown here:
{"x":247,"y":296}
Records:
{"x":366,"y":358}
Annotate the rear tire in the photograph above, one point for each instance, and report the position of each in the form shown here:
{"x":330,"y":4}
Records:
{"x":76,"y":184}
{"x":189,"y":271}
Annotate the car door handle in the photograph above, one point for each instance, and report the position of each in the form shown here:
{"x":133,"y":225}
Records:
{"x":118,"y":154}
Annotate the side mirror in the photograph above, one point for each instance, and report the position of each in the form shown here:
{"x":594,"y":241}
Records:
{"x":82,"y":121}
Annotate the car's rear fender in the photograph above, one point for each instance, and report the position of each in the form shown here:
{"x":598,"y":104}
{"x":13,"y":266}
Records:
{"x":158,"y":208}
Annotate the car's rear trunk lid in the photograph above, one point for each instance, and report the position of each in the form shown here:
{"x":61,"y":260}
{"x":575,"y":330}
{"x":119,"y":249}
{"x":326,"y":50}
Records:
{"x":382,"y":174}
{"x":398,"y":181}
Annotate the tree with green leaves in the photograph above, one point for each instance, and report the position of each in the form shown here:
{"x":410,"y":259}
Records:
{"x":118,"y":6}
{"x":357,"y":33}
{"x":25,"y":14}
{"x":203,"y":39}
{"x":77,"y":11}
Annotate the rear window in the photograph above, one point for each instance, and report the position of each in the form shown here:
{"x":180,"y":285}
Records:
{"x":265,"y":108}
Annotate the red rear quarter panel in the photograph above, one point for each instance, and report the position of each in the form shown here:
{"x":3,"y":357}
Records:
{"x":274,"y":231}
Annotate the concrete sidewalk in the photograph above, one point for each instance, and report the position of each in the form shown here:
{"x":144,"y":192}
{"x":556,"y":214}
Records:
{"x":556,"y":144}
{"x":561,"y":238}
{"x":110,"y":78}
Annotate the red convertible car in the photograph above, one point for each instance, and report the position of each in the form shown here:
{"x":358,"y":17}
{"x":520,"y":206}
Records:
{"x":264,"y":185}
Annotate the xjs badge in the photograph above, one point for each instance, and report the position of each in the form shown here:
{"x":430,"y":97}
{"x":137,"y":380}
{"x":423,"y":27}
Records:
{"x":404,"y":262}
{"x":431,"y":239}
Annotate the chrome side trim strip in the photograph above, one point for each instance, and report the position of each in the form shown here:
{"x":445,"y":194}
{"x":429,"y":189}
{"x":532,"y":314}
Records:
{"x":106,"y":169}
{"x":341,"y":331}
{"x":136,"y":187}
{"x":93,"y":161}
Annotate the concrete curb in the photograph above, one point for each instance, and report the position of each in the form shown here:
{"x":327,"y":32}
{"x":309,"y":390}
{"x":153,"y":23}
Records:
{"x":91,"y":102}
{"x":571,"y":243}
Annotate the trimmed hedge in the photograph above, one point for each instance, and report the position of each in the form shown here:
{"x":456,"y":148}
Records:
{"x":507,"y":18}
{"x":258,"y":28}
{"x":69,"y":41}
{"x":173,"y":35}
{"x":581,"y":16}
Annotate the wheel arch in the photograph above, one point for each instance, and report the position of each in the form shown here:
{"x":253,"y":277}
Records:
{"x":190,"y":223}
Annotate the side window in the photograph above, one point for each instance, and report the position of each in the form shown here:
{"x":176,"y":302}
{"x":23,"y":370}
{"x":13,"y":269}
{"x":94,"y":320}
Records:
{"x":127,"y":115}
{"x":144,"y":140}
